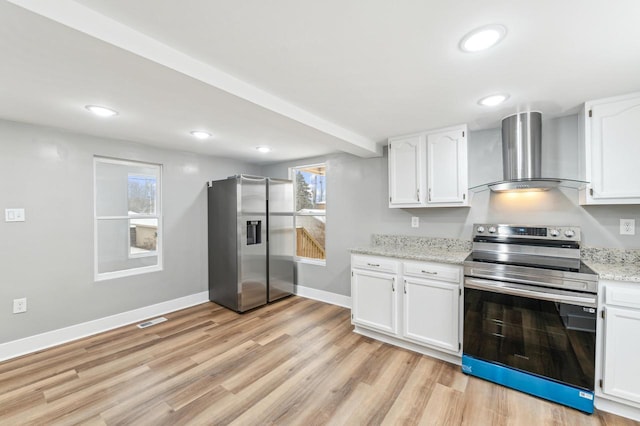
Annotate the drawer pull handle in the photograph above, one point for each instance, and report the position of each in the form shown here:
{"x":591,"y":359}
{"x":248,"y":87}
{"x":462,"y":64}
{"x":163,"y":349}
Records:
{"x":429,"y":272}
{"x":373,"y":264}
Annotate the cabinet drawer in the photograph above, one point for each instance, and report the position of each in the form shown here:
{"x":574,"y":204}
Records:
{"x":433,"y":271}
{"x":622,"y":295}
{"x":374,"y":264}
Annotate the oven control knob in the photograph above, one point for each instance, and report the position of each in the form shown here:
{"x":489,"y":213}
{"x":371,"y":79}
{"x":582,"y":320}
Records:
{"x":569,"y":233}
{"x":554,"y":232}
{"x":492,"y":229}
{"x":480,"y":229}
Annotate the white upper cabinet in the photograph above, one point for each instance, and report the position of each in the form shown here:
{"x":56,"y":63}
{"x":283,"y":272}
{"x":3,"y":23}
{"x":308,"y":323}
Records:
{"x":407,"y":171}
{"x":612,"y":150}
{"x":429,"y":169}
{"x":447,"y":168}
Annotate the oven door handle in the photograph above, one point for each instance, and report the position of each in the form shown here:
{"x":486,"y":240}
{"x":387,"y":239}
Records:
{"x":524,"y":291}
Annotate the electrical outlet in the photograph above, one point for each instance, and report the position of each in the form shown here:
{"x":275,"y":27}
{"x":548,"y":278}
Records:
{"x":19,"y":305}
{"x":415,"y":222}
{"x":627,"y":227}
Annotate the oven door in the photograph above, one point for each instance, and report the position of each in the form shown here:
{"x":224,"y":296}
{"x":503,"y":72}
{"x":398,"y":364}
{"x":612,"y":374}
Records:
{"x":550,"y":333}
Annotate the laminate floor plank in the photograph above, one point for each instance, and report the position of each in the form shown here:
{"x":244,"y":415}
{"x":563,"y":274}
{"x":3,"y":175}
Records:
{"x":291,"y":394}
{"x":385,"y":386}
{"x":409,"y":405}
{"x":323,"y":400}
{"x":294,"y":362}
{"x":444,"y":407}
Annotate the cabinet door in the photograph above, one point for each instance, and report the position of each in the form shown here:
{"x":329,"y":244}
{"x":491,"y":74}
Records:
{"x":406,"y":172}
{"x":374,"y":300}
{"x":621,"y":348}
{"x":447,"y":167}
{"x":431,"y":312}
{"x":613,"y":133}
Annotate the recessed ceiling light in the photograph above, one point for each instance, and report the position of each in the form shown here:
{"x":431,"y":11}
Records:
{"x":482,"y":38}
{"x":493,"y":100}
{"x":200,"y":134}
{"x":101,"y":111}
{"x":263,"y":149}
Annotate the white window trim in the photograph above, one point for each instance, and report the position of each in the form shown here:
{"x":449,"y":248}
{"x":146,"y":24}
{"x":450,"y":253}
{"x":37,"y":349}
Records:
{"x":158,"y":252}
{"x":308,"y":260}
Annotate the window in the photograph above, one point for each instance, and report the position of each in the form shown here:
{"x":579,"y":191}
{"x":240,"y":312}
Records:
{"x":311,"y":207}
{"x":128,"y":219}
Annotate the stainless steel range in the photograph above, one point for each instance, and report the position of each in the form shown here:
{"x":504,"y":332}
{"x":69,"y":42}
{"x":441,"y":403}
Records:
{"x":530,"y":312}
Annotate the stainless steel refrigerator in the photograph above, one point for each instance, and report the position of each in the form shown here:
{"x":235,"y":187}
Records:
{"x":251,"y":241}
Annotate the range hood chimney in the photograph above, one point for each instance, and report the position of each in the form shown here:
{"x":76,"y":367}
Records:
{"x":522,"y":154}
{"x":522,"y":157}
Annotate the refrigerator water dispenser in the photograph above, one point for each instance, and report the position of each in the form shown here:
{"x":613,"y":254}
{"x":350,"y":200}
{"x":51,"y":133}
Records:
{"x":254,"y":232}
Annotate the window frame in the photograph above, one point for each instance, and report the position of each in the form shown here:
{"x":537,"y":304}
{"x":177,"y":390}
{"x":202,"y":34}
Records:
{"x":292,"y":177}
{"x":158,"y":216}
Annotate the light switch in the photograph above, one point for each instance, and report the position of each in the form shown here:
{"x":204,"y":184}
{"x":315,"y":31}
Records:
{"x":415,"y":222}
{"x":14,"y":215}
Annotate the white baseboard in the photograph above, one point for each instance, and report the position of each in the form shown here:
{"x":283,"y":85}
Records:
{"x":48,"y":339}
{"x":323,"y":296}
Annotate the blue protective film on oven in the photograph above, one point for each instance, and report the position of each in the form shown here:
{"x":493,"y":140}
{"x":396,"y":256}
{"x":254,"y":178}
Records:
{"x":570,"y":396}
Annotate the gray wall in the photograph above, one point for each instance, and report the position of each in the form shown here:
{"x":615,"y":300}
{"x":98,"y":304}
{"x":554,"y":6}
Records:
{"x":357,"y":194}
{"x":49,"y":258}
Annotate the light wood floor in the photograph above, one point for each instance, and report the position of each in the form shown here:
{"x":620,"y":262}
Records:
{"x":293,"y":362}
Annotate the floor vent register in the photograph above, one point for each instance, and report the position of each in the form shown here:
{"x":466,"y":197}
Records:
{"x":151,"y":322}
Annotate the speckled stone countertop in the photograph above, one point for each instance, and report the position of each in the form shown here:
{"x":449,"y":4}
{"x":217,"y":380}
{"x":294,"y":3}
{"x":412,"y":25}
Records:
{"x":443,"y":250}
{"x":609,"y":264}
{"x":613,"y":264}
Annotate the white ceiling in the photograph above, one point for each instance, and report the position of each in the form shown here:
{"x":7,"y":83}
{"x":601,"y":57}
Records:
{"x":305,"y":77}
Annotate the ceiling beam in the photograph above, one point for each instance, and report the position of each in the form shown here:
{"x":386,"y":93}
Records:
{"x":94,"y":24}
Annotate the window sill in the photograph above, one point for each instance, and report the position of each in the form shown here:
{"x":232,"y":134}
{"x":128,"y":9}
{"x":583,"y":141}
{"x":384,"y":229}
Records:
{"x":143,"y":254}
{"x":308,"y":261}
{"x":105,"y":276}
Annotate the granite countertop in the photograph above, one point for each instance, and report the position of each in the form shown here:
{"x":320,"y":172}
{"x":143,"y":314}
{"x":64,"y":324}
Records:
{"x":442,"y":250}
{"x":609,"y":264}
{"x":613,"y":264}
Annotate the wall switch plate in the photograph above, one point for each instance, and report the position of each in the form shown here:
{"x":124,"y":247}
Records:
{"x":415,"y":222}
{"x":19,"y":305}
{"x":14,"y":215}
{"x":627,"y":227}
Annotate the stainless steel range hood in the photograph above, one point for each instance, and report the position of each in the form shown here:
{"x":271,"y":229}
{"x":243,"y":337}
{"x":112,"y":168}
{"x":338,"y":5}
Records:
{"x":522,"y":157}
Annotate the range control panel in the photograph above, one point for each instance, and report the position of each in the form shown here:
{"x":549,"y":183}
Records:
{"x":566,"y":233}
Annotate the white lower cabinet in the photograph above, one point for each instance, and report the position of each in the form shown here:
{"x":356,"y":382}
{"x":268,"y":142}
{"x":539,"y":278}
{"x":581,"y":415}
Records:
{"x":431,"y":313}
{"x":414,"y":302}
{"x":621,"y":372}
{"x":374,"y":300}
{"x":620,"y":342}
